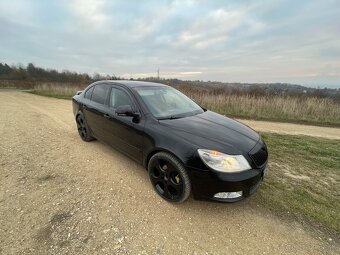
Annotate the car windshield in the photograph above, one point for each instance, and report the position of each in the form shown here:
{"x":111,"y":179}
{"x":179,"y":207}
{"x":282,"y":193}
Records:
{"x":168,"y":103}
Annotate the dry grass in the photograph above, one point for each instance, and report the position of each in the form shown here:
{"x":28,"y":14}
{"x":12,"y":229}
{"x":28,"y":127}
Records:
{"x":65,"y":90}
{"x":320,"y":111}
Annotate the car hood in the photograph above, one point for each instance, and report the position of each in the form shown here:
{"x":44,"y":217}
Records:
{"x":213,"y":131}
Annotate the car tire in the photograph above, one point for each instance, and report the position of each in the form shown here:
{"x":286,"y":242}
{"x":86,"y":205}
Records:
{"x":83,"y":128}
{"x":169,"y":177}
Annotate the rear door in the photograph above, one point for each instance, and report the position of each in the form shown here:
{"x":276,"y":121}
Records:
{"x":95,"y":109}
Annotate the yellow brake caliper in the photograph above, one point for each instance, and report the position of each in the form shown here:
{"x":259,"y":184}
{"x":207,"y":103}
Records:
{"x":177,"y":178}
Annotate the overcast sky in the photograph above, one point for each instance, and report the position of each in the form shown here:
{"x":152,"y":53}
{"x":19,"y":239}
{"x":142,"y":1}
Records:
{"x":234,"y":41}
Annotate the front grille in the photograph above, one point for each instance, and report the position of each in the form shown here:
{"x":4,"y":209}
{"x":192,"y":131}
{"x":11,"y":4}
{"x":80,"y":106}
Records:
{"x":259,"y":154}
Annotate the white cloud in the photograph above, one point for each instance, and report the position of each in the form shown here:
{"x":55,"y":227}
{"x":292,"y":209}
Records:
{"x":295,"y":41}
{"x":211,"y":29}
{"x":20,"y":12}
{"x":91,"y":13}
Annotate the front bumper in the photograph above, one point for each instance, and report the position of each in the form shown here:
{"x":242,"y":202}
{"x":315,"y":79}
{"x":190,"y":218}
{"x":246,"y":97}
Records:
{"x":207,"y":183}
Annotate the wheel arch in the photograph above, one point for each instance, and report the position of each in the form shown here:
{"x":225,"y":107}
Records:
{"x":79,"y":113}
{"x":156,"y":150}
{"x":176,"y":195}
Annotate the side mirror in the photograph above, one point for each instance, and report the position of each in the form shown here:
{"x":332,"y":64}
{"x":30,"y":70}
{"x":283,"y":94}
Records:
{"x":126,"y":110}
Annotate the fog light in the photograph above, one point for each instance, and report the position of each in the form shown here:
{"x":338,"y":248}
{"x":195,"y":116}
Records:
{"x":225,"y":195}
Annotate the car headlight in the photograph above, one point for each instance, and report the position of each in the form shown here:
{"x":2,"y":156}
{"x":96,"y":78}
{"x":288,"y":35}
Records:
{"x":223,"y":162}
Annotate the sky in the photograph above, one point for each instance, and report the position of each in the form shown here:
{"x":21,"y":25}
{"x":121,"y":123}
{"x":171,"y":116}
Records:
{"x":231,"y":41}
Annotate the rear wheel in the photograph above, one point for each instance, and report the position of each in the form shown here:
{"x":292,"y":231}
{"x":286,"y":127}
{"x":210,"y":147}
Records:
{"x":169,"y":177}
{"x":83,"y":129}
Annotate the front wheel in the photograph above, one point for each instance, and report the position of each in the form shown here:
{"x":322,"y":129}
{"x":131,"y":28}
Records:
{"x":83,"y":128}
{"x":169,"y":177}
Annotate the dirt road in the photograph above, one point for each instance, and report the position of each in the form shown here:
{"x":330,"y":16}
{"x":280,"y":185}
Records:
{"x":293,"y":129}
{"x":59,"y":195}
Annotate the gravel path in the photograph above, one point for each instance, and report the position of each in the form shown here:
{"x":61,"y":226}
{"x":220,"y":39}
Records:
{"x":59,"y":195}
{"x":293,"y":129}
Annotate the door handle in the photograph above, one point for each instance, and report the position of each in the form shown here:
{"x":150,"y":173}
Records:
{"x":107,"y":116}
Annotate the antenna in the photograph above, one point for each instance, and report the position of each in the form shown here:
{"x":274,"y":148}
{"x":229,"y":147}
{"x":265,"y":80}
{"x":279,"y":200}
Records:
{"x":158,"y":73}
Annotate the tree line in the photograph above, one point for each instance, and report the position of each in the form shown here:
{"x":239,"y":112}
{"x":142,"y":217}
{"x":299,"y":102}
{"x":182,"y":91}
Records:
{"x":27,"y":76}
{"x":33,"y":73}
{"x":249,"y":89}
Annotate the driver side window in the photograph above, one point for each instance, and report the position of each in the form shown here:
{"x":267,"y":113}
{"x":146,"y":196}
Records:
{"x":119,"y":97}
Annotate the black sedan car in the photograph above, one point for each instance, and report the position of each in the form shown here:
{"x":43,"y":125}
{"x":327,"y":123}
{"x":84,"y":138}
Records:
{"x":185,"y":148}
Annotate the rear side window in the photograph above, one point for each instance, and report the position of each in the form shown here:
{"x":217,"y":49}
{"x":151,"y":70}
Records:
{"x":99,"y":94}
{"x":88,"y":93}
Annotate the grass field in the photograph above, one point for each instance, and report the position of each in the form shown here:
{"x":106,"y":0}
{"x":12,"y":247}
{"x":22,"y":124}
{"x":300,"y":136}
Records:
{"x":303,"y":179}
{"x":63,"y":91}
{"x":308,"y":110}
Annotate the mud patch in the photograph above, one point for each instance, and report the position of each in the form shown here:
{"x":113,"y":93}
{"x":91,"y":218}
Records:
{"x":86,"y":239}
{"x":45,"y":234}
{"x":60,"y":217}
{"x":64,"y":244}
{"x":47,"y":177}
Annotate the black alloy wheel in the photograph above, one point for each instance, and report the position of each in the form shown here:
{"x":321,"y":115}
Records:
{"x":169,"y":177}
{"x":83,"y":129}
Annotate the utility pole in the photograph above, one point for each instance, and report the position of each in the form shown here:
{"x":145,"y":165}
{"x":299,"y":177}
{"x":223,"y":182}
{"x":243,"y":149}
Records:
{"x":158,"y":73}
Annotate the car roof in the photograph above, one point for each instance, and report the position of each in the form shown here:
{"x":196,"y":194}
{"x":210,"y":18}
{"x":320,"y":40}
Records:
{"x":133,"y":84}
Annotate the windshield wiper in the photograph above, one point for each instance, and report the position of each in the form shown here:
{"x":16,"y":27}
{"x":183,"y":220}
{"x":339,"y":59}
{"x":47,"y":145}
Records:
{"x":172,"y":117}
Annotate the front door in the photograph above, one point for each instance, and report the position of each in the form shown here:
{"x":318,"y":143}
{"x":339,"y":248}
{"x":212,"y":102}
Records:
{"x":123,"y":133}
